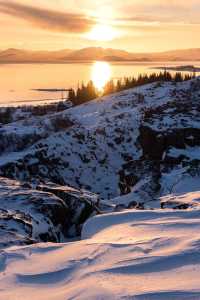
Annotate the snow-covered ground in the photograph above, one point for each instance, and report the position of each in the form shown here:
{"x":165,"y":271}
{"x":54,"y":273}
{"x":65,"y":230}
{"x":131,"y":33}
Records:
{"x":131,"y":157}
{"x":130,"y":255}
{"x":92,"y":143}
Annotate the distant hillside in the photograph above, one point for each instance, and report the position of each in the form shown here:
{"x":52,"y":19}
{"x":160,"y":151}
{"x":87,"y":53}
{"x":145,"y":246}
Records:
{"x":27,"y":56}
{"x":94,"y":53}
{"x":177,"y":55}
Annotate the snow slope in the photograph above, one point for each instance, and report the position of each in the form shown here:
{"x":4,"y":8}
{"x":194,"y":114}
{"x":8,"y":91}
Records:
{"x":130,"y":255}
{"x":87,"y":146}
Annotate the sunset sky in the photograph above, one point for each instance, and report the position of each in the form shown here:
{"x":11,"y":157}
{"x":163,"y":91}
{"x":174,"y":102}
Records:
{"x":133,"y":25}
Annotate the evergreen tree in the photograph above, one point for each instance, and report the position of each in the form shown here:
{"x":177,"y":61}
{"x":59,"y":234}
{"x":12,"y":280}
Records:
{"x":91,"y":91}
{"x":72,"y":96}
{"x":109,"y":88}
{"x":178,"y":77}
{"x":119,"y":85}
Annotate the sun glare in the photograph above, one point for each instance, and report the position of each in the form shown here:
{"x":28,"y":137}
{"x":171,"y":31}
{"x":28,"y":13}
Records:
{"x":101,"y":32}
{"x":101,"y":73}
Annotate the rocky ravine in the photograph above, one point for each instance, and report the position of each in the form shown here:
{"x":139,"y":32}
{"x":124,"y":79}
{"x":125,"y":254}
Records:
{"x":132,"y":148}
{"x":41,"y":213}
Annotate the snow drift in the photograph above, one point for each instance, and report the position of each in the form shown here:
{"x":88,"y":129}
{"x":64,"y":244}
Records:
{"x":128,"y":255}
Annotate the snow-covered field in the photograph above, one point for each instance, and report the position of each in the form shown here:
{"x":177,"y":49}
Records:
{"x":130,"y":255}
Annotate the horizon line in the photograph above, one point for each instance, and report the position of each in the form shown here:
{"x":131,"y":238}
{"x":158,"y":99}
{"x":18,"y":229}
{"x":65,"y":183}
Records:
{"x":97,"y":47}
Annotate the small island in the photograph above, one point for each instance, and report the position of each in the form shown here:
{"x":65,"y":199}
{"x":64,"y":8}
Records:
{"x":185,"y":68}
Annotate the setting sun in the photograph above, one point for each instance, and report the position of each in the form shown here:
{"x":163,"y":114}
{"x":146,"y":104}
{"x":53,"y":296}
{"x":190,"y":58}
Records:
{"x":101,"y":73}
{"x":101,"y":32}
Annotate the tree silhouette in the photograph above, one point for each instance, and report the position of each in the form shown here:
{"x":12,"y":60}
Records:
{"x":88,"y":92}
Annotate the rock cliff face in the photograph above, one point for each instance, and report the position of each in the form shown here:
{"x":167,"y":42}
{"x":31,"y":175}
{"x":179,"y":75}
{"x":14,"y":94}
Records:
{"x":41,"y":214}
{"x":131,"y":148}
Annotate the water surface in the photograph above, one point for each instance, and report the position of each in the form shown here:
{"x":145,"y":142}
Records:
{"x":17,"y":81}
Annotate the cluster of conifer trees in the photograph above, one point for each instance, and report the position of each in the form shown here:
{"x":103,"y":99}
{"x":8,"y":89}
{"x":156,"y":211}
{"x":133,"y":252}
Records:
{"x":88,"y":92}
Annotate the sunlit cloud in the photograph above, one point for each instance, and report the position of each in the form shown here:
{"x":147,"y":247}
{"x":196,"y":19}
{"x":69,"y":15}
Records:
{"x":170,"y":11}
{"x":47,"y":19}
{"x":134,"y":25}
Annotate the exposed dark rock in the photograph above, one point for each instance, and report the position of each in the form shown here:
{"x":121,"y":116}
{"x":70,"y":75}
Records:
{"x":46,"y":213}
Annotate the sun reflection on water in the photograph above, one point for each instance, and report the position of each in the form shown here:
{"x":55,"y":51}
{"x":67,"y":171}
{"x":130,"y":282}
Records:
{"x":101,"y":74}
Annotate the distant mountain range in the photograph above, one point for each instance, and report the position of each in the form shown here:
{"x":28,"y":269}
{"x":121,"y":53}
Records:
{"x":94,"y":53}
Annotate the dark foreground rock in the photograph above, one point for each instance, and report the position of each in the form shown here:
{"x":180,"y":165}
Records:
{"x":45,"y":213}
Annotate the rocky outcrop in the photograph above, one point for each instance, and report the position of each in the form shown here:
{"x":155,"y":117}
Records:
{"x":15,"y":142}
{"x":155,"y":143}
{"x":81,"y":204}
{"x":31,"y":213}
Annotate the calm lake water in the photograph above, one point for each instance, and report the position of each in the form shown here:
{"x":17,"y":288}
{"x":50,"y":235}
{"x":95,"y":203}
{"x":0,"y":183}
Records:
{"x":17,"y":81}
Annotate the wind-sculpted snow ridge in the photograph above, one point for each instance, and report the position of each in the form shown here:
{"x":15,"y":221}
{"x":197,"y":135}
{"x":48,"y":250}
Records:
{"x":129,"y":255}
{"x":115,"y":145}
